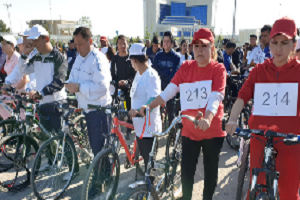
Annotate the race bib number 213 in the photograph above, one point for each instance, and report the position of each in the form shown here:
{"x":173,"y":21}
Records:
{"x":275,"y":99}
{"x":194,"y":95}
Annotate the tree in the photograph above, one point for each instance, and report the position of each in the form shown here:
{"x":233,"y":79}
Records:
{"x":86,"y":21}
{"x":148,"y":33}
{"x":3,"y":27}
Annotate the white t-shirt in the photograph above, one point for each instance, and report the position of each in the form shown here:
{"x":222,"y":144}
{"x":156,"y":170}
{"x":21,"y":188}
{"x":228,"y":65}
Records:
{"x":182,"y":58}
{"x":257,"y":54}
{"x":144,"y":87}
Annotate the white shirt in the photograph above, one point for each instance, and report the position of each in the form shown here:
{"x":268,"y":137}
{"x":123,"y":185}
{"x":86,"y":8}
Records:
{"x":182,"y":58}
{"x":257,"y":54}
{"x":144,"y":87}
{"x":93,"y":74}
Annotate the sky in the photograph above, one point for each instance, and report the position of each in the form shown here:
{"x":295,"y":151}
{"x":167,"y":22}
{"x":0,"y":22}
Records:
{"x":126,"y":16}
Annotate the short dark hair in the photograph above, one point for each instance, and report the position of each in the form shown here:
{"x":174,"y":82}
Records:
{"x":170,"y":35}
{"x":266,"y":28}
{"x":247,"y":43}
{"x":253,"y":36}
{"x":122,"y":37}
{"x":156,"y":40}
{"x":230,"y":45}
{"x":84,"y":32}
{"x":140,"y":58}
{"x":298,"y":31}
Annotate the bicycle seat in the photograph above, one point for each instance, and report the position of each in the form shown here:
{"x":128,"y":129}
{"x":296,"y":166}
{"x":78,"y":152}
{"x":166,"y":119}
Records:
{"x":179,"y":126}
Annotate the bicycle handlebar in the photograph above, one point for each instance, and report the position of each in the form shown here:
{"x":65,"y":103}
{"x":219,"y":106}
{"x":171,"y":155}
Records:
{"x":288,"y":138}
{"x":174,"y":122}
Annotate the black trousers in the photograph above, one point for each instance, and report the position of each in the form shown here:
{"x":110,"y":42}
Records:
{"x":233,"y":87}
{"x":145,"y":146}
{"x":128,"y":106}
{"x":51,"y":120}
{"x":211,"y":149}
{"x":98,"y":124}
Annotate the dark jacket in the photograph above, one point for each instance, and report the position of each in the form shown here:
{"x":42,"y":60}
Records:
{"x":71,"y":54}
{"x":121,"y":69}
{"x":151,"y":54}
{"x":166,"y":64}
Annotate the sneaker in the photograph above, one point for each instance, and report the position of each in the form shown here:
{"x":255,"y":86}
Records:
{"x":45,"y":167}
{"x":178,"y":193}
{"x":69,"y":176}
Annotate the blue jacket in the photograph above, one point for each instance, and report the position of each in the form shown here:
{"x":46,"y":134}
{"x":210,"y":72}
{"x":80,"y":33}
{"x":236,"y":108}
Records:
{"x":71,"y":56}
{"x":151,"y":54}
{"x":166,"y":64}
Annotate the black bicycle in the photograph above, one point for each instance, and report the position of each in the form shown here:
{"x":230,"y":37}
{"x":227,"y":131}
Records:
{"x":268,"y":165}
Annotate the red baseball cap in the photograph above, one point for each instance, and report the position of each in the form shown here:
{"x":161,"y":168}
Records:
{"x":204,"y":35}
{"x":103,"y":38}
{"x":284,"y":26}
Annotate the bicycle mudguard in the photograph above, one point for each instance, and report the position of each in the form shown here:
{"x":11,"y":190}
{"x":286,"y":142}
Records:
{"x":137,"y":184}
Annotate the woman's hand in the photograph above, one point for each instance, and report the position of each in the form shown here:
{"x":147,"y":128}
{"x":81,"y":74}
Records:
{"x":143,"y":110}
{"x":133,"y":112}
{"x":231,"y":127}
{"x":204,"y":124}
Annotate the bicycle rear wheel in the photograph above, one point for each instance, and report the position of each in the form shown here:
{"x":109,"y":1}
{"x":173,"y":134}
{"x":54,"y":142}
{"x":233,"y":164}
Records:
{"x":16,"y":159}
{"x":243,"y":170}
{"x":47,"y":182}
{"x":102,"y":178}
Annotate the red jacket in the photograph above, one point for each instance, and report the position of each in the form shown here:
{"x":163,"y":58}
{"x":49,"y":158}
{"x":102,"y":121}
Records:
{"x":267,"y":72}
{"x":190,"y":72}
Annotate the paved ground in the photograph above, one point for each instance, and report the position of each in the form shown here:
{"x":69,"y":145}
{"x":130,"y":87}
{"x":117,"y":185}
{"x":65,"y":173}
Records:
{"x":225,"y":190}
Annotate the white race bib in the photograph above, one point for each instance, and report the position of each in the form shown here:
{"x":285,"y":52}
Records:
{"x":194,"y":95}
{"x":275,"y":99}
{"x":259,"y":57}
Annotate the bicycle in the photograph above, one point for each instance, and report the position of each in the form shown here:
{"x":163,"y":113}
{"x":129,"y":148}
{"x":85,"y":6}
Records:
{"x":16,"y":150}
{"x":268,"y":166}
{"x":106,"y":162}
{"x":168,"y":184}
{"x":60,"y":153}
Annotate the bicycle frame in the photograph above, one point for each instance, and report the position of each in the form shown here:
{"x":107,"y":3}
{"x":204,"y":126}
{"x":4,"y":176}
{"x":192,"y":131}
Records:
{"x":116,"y":130}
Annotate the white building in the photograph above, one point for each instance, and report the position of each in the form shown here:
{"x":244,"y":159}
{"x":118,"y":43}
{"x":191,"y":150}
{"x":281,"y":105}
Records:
{"x":244,"y":35}
{"x":184,"y":15}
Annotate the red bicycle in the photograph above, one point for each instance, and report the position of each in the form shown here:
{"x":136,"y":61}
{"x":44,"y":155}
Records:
{"x":103,"y":174}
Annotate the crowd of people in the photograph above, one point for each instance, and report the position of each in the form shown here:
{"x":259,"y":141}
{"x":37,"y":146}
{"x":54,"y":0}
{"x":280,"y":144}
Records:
{"x":151,"y":75}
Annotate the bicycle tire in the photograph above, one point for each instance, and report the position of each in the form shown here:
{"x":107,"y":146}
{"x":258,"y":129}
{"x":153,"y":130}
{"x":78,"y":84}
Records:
{"x":262,"y":196}
{"x":89,"y":175}
{"x":243,"y":169}
{"x":17,"y":162}
{"x":37,"y":163}
{"x":169,"y":144}
{"x":141,"y":189}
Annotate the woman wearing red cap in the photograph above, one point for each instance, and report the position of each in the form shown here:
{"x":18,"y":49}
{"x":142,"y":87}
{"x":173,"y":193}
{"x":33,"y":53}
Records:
{"x":201,"y":83}
{"x":277,"y":105}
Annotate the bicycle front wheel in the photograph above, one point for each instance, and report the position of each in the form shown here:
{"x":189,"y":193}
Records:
{"x":141,"y":192}
{"x":243,"y":170}
{"x":16,"y":159}
{"x":102,"y":178}
{"x":52,"y":163}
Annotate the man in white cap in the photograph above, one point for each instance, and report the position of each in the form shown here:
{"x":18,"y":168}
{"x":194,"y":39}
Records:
{"x":50,"y":68}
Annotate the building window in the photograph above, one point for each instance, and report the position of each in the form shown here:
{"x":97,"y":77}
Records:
{"x":165,"y":10}
{"x":178,"y":9}
{"x":200,"y":13}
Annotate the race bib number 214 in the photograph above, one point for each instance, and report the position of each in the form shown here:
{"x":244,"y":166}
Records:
{"x":275,"y":99}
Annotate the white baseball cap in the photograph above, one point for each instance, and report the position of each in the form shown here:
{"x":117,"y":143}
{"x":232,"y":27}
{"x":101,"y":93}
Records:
{"x":10,"y":38}
{"x":36,"y":31}
{"x":298,"y":45}
{"x":20,"y":41}
{"x":136,"y":49}
{"x":25,"y":33}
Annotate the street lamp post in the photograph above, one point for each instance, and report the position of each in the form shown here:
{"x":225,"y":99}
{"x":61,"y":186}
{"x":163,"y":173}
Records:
{"x":51,"y":17}
{"x":9,"y":6}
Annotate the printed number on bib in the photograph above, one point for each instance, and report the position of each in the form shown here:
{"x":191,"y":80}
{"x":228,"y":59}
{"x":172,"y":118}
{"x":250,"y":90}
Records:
{"x":194,"y":95}
{"x":275,"y":99}
{"x":259,"y":58}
